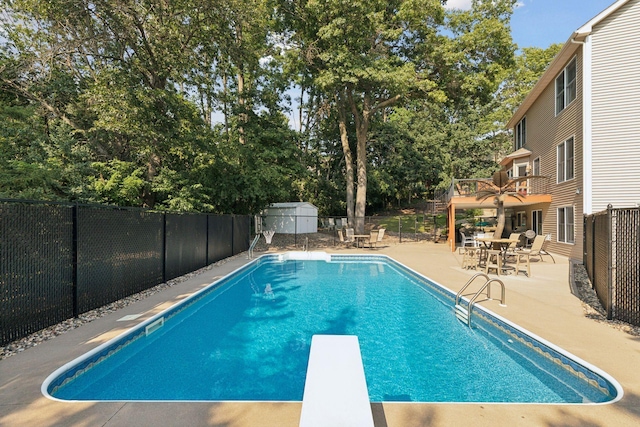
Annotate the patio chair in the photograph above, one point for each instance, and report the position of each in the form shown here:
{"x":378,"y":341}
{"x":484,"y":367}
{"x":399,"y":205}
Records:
{"x":464,"y":240}
{"x":349,"y":235}
{"x":537,"y":249}
{"x":373,"y":238}
{"x":529,"y":236}
{"x":515,"y":246}
{"x":380,"y":235}
{"x":523,"y":258}
{"x":471,"y":258}
{"x":344,"y":240}
{"x":494,"y":261}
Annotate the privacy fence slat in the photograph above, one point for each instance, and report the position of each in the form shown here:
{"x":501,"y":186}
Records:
{"x":58,"y":260}
{"x":612,"y":261}
{"x":36,"y":267}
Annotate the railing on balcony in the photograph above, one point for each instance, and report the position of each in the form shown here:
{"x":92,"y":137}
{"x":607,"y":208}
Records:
{"x":471,"y":187}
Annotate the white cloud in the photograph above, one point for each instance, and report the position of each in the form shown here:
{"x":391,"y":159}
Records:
{"x":458,"y":4}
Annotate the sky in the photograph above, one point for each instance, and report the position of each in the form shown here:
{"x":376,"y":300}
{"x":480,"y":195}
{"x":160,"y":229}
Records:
{"x":540,"y":23}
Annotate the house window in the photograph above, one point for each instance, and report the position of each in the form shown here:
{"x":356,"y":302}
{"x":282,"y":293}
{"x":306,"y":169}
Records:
{"x":536,"y":221}
{"x":565,"y":160}
{"x":566,"y":225}
{"x":535,"y":170}
{"x":521,"y":133}
{"x":521,"y":220}
{"x":566,"y":86}
{"x":520,"y":170}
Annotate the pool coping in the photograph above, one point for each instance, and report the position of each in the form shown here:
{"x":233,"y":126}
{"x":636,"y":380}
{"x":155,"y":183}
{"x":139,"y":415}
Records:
{"x":573,"y":364}
{"x":542,"y":304}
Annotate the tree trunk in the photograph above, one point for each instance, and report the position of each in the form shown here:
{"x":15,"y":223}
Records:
{"x":348,"y":159}
{"x":361,"y":161}
{"x":242,"y":117}
{"x":362,"y":128}
{"x":500,"y":216}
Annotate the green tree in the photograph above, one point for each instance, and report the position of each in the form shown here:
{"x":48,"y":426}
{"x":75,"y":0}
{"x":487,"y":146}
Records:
{"x":366,"y":57}
{"x":125,"y":90}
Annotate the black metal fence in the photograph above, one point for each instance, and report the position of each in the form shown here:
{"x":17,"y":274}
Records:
{"x":301,"y":228}
{"x":60,"y":260}
{"x":612,"y":261}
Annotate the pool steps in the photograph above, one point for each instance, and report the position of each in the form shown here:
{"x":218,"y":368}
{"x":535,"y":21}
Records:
{"x":304,"y":255}
{"x":335,"y":391}
{"x":464,"y":314}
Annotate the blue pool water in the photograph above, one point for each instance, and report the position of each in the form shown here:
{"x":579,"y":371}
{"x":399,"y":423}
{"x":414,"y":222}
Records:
{"x":248,"y":338}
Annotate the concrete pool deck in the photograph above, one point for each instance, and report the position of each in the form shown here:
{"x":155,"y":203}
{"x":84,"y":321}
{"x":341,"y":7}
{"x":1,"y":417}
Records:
{"x":542,"y":304}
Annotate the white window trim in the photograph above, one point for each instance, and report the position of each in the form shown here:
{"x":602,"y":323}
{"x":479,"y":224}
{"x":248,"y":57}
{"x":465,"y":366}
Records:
{"x":520,"y":136}
{"x":573,"y":237}
{"x":564,"y":87}
{"x":564,"y":164}
{"x":516,"y":174}
{"x":533,"y":166}
{"x":534,"y":214}
{"x":521,"y":217}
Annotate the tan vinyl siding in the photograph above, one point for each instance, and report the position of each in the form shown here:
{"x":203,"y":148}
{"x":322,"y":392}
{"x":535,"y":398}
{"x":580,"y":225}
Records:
{"x":616,"y":109}
{"x":545,"y":131}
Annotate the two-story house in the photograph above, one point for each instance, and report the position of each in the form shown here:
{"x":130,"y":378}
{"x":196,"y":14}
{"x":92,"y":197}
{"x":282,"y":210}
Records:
{"x":580,"y":126}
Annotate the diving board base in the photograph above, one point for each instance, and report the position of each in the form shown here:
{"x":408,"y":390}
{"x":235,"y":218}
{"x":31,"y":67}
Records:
{"x":335,"y":391}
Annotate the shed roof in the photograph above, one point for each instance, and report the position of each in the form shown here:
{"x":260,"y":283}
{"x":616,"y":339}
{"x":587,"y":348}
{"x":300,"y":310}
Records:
{"x":285,"y":205}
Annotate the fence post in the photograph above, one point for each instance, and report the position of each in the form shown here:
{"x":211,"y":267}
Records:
{"x":206,"y":243}
{"x":74,"y":257}
{"x":584,"y":239}
{"x":399,"y":229}
{"x":164,"y":247}
{"x":609,"y":262}
{"x":233,"y":239}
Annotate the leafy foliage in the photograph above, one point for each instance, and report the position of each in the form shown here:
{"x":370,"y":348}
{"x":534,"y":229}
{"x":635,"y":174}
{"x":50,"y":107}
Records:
{"x":116,"y":101}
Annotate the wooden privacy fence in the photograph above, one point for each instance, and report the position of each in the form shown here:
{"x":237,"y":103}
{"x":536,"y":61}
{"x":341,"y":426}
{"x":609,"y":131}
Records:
{"x":59,"y":260}
{"x":612,"y":261}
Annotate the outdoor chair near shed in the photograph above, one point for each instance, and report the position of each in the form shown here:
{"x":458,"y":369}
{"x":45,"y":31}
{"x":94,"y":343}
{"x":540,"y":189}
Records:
{"x":345,"y":240}
{"x":349,"y":233}
{"x":373,"y":239}
{"x":380,"y":235}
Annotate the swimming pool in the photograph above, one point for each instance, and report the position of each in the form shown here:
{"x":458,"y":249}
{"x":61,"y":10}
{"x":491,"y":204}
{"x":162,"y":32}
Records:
{"x":247,"y":337}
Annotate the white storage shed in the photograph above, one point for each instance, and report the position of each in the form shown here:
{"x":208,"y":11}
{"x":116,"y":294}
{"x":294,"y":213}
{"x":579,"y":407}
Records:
{"x":291,"y":218}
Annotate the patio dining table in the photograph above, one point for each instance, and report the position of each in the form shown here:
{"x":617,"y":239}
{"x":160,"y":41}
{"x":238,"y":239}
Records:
{"x":502,"y":244}
{"x":359,"y":238}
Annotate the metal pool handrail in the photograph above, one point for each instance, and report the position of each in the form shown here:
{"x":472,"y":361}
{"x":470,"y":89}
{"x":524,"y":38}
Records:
{"x":472,"y":301}
{"x":253,"y":245}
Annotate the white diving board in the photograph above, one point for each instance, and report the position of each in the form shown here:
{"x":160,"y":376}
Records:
{"x":335,"y":391}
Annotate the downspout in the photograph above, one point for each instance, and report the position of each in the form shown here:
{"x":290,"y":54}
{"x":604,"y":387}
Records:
{"x":587,"y":136}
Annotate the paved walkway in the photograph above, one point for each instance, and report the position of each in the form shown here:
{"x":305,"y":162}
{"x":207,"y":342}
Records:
{"x":542,"y":304}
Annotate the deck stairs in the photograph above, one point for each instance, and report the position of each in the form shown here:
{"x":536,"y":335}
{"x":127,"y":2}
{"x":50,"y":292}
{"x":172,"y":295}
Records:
{"x":436,"y":207}
{"x":463,"y":313}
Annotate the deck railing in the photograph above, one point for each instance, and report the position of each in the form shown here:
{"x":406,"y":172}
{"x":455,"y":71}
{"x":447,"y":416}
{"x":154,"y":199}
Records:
{"x":470,"y":187}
